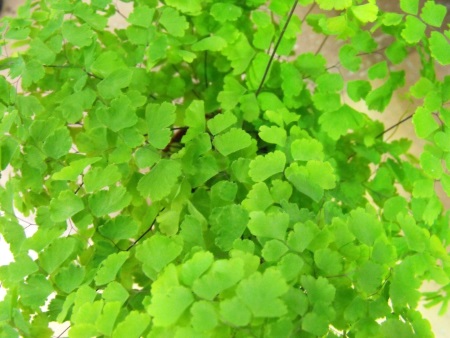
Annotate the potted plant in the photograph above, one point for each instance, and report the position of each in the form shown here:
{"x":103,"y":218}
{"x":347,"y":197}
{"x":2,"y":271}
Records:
{"x":191,"y":175}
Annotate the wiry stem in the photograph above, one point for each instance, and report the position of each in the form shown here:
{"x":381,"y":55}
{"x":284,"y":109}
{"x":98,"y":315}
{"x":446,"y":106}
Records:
{"x":272,"y":56}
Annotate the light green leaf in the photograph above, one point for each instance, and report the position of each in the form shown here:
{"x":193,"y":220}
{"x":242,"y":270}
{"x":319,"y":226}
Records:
{"x":192,"y":7}
{"x":107,"y":319}
{"x":223,"y":12}
{"x":173,"y":22}
{"x":319,"y":291}
{"x":80,"y":36}
{"x":115,"y":292}
{"x":339,"y":122}
{"x":334,"y":4}
{"x":74,"y":169}
{"x":98,"y":177}
{"x":158,"y":183}
{"x":211,"y":43}
{"x":414,"y":29}
{"x":228,"y":223}
{"x":261,"y":292}
{"x":365,"y":13}
{"x":307,"y":149}
{"x":258,"y":198}
{"x":221,"y":122}
{"x":273,"y":134}
{"x":110,"y":87}
{"x":65,"y":206}
{"x":142,"y":16}
{"x":231,"y":94}
{"x":120,"y":227}
{"x":56,"y":254}
{"x":69,"y":278}
{"x":439,"y":46}
{"x":366,"y":227}
{"x":370,"y":277}
{"x":167,"y":308}
{"x":204,"y":316}
{"x":269,"y":225}
{"x":119,"y":115}
{"x":195,"y":267}
{"x":263,"y":167}
{"x":424,"y":123}
{"x":235,"y":312}
{"x":110,"y":267}
{"x":105,"y":202}
{"x":107,"y":63}
{"x":35,"y":291}
{"x":410,"y":6}
{"x":240,"y":54}
{"x":431,"y":165}
{"x":159,"y":117}
{"x":58,"y":143}
{"x":316,"y":324}
{"x":329,"y":261}
{"x":273,"y":250}
{"x":233,"y":140}
{"x":157,"y":252}
{"x":292,"y":83}
{"x":433,"y":14}
{"x":222,"y":275}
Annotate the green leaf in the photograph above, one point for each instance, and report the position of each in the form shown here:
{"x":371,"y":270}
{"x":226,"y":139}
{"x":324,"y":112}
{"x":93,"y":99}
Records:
{"x":329,"y":82}
{"x":431,"y":165}
{"x":69,"y":278}
{"x":105,"y":202}
{"x":410,"y":6}
{"x":233,"y":140}
{"x":222,"y":275}
{"x":326,"y":102}
{"x":56,"y":254}
{"x":421,"y":88}
{"x":273,"y":250}
{"x":231,"y":93}
{"x":110,"y":267}
{"x":134,"y":324}
{"x":258,"y":198}
{"x":115,"y":292}
{"x":433,"y":14}
{"x":65,"y":206}
{"x":119,"y":115}
{"x":348,"y":56}
{"x":240,"y":54}
{"x":370,"y":277}
{"x":397,"y":52}
{"x":109,"y":88}
{"x":99,"y":177}
{"x":167,"y":308}
{"x":58,"y":143}
{"x":35,"y":291}
{"x":414,"y":30}
{"x":146,"y":157}
{"x":221,"y":122}
{"x":366,"y":227}
{"x":204,"y":316}
{"x":268,"y":225}
{"x":261,"y":293}
{"x":195,"y":267}
{"x":107,"y":63}
{"x":159,"y":117}
{"x":365,"y":13}
{"x":107,"y":319}
{"x":158,"y":183}
{"x":424,"y":123}
{"x":120,"y":227}
{"x":80,"y":36}
{"x":393,"y":328}
{"x":211,"y":43}
{"x":334,"y":4}
{"x":142,"y":16}
{"x":157,"y":252}
{"x":193,"y":7}
{"x":273,"y":134}
{"x":312,"y":179}
{"x":223,"y":12}
{"x":228,"y":223}
{"x":310,"y":64}
{"x":307,"y":149}
{"x":315,"y":323}
{"x":358,"y":89}
{"x":249,"y":106}
{"x":439,"y":47}
{"x":263,"y":167}
{"x":173,"y":22}
{"x":292,"y":83}
{"x":330,"y":262}
{"x":417,"y":238}
{"x":74,"y":169}
{"x":319,"y":291}
{"x":235,"y":312}
{"x":378,"y":71}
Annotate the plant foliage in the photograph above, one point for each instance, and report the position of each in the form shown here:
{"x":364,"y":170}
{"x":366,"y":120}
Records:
{"x":191,"y":175}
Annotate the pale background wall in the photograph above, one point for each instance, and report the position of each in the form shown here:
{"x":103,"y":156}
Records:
{"x":309,"y":42}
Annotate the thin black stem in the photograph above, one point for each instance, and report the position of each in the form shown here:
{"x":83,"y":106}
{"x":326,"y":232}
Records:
{"x":140,"y":237}
{"x":321,"y":45}
{"x":60,"y":335}
{"x":272,"y":56}
{"x":79,"y":187}
{"x":394,"y":126}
